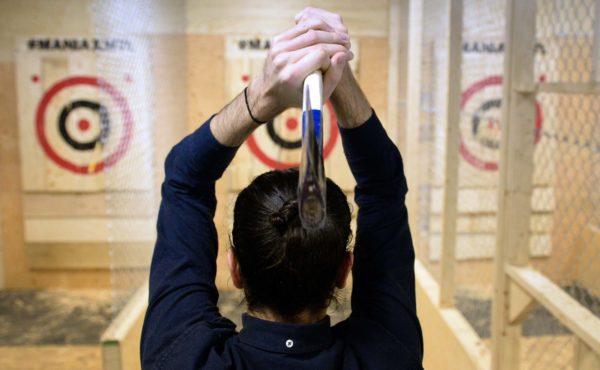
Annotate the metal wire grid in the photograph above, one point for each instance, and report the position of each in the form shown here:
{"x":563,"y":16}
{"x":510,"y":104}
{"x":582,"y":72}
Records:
{"x":432,"y":133}
{"x":565,"y":207}
{"x":564,"y":30}
{"x":481,"y":86}
{"x":569,"y":152}
{"x":129,"y":71}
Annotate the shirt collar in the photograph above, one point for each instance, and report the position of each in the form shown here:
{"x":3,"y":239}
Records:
{"x":285,"y":338}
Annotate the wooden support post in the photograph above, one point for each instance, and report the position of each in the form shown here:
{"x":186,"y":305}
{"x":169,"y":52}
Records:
{"x":516,"y":169}
{"x":452,"y":110}
{"x":596,"y":46}
{"x":397,"y":71}
{"x":413,"y":109}
{"x":585,"y":358}
{"x":520,"y":305}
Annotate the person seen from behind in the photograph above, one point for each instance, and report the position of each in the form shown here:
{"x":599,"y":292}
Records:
{"x":288,"y":274}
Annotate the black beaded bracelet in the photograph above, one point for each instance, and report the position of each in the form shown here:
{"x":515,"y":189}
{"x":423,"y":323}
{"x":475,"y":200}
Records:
{"x":248,"y":106}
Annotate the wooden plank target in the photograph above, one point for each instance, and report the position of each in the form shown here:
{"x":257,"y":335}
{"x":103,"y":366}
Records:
{"x":75,"y":125}
{"x":277,"y":144}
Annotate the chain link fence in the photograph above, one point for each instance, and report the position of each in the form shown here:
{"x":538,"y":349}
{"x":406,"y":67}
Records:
{"x":132,"y":188}
{"x":565,"y":212}
{"x":564,"y":234}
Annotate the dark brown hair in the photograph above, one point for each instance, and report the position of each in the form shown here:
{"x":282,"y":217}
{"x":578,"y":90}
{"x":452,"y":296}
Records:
{"x":284,"y":267}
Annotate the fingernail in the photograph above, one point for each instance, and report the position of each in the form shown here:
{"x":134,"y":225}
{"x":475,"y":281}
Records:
{"x":344,"y":36}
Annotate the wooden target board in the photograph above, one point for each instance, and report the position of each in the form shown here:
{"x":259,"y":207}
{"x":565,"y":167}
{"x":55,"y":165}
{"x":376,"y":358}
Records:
{"x":86,"y":153}
{"x":277,"y":144}
{"x":73,"y":124}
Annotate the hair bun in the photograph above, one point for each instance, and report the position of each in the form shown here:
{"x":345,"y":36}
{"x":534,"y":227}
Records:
{"x":281,"y":218}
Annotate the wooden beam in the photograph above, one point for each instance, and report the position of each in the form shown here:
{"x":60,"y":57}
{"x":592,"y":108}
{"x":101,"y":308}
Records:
{"x":16,"y":271}
{"x":584,"y":324}
{"x":121,"y":341}
{"x":586,"y":88}
{"x":397,"y":70}
{"x":452,"y":110}
{"x":521,"y":304}
{"x":413,"y":111}
{"x":515,"y":185}
{"x":596,"y":44}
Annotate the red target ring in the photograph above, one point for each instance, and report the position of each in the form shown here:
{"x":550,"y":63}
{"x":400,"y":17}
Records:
{"x":279,"y":165}
{"x":476,"y":87}
{"x":120,"y":101}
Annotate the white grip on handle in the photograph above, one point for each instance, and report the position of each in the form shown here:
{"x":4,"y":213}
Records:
{"x":314,"y":82}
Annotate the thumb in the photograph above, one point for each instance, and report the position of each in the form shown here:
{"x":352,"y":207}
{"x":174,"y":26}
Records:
{"x":334,"y":74}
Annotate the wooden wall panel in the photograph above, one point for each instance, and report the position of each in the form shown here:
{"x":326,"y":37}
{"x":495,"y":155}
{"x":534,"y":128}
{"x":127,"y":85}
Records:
{"x":269,"y":17}
{"x":70,"y":279}
{"x":90,"y":229}
{"x":92,"y":204}
{"x":41,"y":17}
{"x":74,"y":256}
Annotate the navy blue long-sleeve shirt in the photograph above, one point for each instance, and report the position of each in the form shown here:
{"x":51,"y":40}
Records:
{"x":183,"y":328}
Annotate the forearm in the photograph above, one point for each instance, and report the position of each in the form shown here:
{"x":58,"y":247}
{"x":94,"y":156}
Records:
{"x":350,"y":103}
{"x":233,"y":124}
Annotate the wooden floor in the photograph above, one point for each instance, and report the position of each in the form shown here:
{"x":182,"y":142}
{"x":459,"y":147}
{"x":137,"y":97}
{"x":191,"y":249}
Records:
{"x":50,"y":358}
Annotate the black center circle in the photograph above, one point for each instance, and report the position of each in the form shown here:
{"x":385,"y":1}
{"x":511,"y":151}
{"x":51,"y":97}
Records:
{"x":476,"y":120}
{"x":281,"y":141}
{"x":104,"y":124}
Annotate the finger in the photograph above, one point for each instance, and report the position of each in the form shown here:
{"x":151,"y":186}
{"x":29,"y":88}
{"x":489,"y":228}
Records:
{"x":311,"y":37}
{"x":332,"y":19}
{"x":329,"y":49}
{"x":299,"y":29}
{"x":317,"y":60}
{"x":334,"y":74}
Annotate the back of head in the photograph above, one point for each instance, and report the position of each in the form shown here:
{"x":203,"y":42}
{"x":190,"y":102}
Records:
{"x":284,"y":267}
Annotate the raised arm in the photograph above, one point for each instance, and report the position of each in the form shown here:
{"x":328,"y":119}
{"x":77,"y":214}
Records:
{"x":383,"y":272}
{"x":183,"y":298}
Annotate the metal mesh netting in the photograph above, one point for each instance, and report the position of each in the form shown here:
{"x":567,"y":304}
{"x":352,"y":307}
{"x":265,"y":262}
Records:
{"x":432,"y":132}
{"x":131,"y":195}
{"x":567,"y":157}
{"x":565,"y":219}
{"x":481,"y":86}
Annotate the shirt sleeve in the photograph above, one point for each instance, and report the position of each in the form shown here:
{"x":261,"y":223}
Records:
{"x":182,"y":274}
{"x":383,"y":272}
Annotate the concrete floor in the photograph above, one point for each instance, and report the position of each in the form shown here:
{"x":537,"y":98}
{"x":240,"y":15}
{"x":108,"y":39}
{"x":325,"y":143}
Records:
{"x":61,"y":330}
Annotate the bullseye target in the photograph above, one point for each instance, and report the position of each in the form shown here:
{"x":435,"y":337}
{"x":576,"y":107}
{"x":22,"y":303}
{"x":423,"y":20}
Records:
{"x":83,"y":124}
{"x":480,"y":123}
{"x":278,"y":144}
